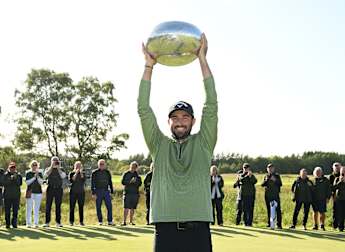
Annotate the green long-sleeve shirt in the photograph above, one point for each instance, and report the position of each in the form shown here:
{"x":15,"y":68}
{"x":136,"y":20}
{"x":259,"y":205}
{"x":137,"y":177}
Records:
{"x":180,"y":186}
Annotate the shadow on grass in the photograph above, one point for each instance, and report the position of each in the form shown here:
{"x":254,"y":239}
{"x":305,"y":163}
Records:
{"x":228,"y":230}
{"x":334,"y":236}
{"x":140,"y":230}
{"x":53,"y":234}
{"x":111,"y":230}
{"x":299,"y":234}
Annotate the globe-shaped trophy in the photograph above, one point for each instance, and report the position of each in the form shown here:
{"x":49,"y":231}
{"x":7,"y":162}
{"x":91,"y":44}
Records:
{"x":174,"y":43}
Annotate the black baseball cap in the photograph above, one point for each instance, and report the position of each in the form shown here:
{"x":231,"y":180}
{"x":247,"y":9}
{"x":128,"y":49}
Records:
{"x":181,"y":105}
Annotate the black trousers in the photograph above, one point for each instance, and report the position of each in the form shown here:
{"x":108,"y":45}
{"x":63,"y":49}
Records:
{"x":341,"y":214}
{"x":147,"y":208}
{"x":335,"y":214}
{"x":168,"y":237}
{"x":11,"y":204}
{"x":246,"y":206}
{"x":278,"y":210}
{"x":298,"y":207}
{"x":73,"y":199}
{"x":217,"y":205}
{"x":54,"y":193}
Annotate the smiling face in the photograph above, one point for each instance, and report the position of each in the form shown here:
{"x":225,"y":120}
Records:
{"x":181,"y":124}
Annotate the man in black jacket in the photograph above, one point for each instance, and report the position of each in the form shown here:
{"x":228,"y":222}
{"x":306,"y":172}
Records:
{"x":77,"y":193}
{"x":147,"y":186}
{"x":335,"y":174}
{"x":102,"y":188}
{"x":339,"y":188}
{"x":246,"y":195}
{"x":131,"y":182}
{"x":1,"y":192}
{"x":272,"y":183}
{"x":54,"y":175}
{"x":12,"y":181}
{"x":302,"y":189}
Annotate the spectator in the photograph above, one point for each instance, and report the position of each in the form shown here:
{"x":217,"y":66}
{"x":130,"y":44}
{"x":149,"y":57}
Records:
{"x":131,"y":182}
{"x":12,"y":181}
{"x":217,"y":194}
{"x":339,"y":187}
{"x":272,"y":184}
{"x":102,"y":188}
{"x":321,"y":195}
{"x":335,"y":174}
{"x":2,"y":172}
{"x":302,"y":194}
{"x":147,"y":186}
{"x":34,"y":181}
{"x":77,"y":192}
{"x":54,"y":175}
{"x":246,"y":195}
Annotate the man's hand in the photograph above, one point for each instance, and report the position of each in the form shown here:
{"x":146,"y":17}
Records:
{"x":202,"y":51}
{"x":150,"y":59}
{"x":94,"y":196}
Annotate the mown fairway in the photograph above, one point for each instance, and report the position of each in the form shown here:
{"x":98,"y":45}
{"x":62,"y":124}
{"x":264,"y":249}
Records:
{"x":140,"y":238}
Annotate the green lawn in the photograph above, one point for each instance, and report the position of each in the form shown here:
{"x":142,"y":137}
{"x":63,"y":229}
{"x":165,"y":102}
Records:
{"x":140,"y":238}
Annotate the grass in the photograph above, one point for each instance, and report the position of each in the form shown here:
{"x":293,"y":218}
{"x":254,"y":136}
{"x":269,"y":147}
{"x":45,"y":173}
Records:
{"x":140,"y":238}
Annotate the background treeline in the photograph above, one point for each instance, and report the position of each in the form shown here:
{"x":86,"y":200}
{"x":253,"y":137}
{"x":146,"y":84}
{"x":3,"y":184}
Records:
{"x":227,"y":163}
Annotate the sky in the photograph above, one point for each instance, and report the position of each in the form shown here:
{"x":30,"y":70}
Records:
{"x":279,"y":66}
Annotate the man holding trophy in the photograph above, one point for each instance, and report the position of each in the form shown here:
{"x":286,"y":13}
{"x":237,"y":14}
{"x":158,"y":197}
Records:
{"x":181,"y":208}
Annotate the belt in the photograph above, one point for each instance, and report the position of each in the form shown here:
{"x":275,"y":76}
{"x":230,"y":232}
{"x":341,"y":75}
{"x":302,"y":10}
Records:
{"x":183,"y":226}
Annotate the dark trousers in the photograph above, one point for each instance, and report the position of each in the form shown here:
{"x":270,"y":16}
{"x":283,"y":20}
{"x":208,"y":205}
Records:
{"x":73,"y":199}
{"x":217,"y":205}
{"x":341,"y":214}
{"x":147,"y":208}
{"x":168,"y":238}
{"x":54,"y":194}
{"x":278,"y":211}
{"x":103,"y":195}
{"x":335,"y":214}
{"x":11,"y":204}
{"x":239,"y":211}
{"x":298,"y":207}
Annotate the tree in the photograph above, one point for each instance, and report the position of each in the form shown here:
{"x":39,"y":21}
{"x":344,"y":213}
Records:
{"x":92,"y":118}
{"x":43,"y":106}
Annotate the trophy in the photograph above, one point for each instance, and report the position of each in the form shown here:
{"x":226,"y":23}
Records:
{"x":174,"y":43}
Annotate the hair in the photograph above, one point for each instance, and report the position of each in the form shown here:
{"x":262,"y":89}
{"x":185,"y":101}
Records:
{"x":336,"y":164}
{"x":214,"y":167}
{"x":151,"y":166}
{"x":99,"y":161}
{"x":32,"y":162}
{"x":75,"y":165}
{"x":134,"y":163}
{"x":316,"y":169}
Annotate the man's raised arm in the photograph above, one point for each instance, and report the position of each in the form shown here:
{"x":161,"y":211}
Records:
{"x":209,"y":121}
{"x":152,"y":133}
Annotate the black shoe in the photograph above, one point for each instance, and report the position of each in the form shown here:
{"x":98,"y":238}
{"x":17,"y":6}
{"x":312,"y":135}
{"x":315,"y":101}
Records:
{"x":123,"y":224}
{"x":14,"y":226}
{"x":315,"y":227}
{"x":82,"y":224}
{"x":305,"y":227}
{"x":268,"y":225}
{"x":8,"y":226}
{"x":279,"y":227}
{"x":323,"y":227}
{"x":132,"y":223}
{"x":293,"y":227}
